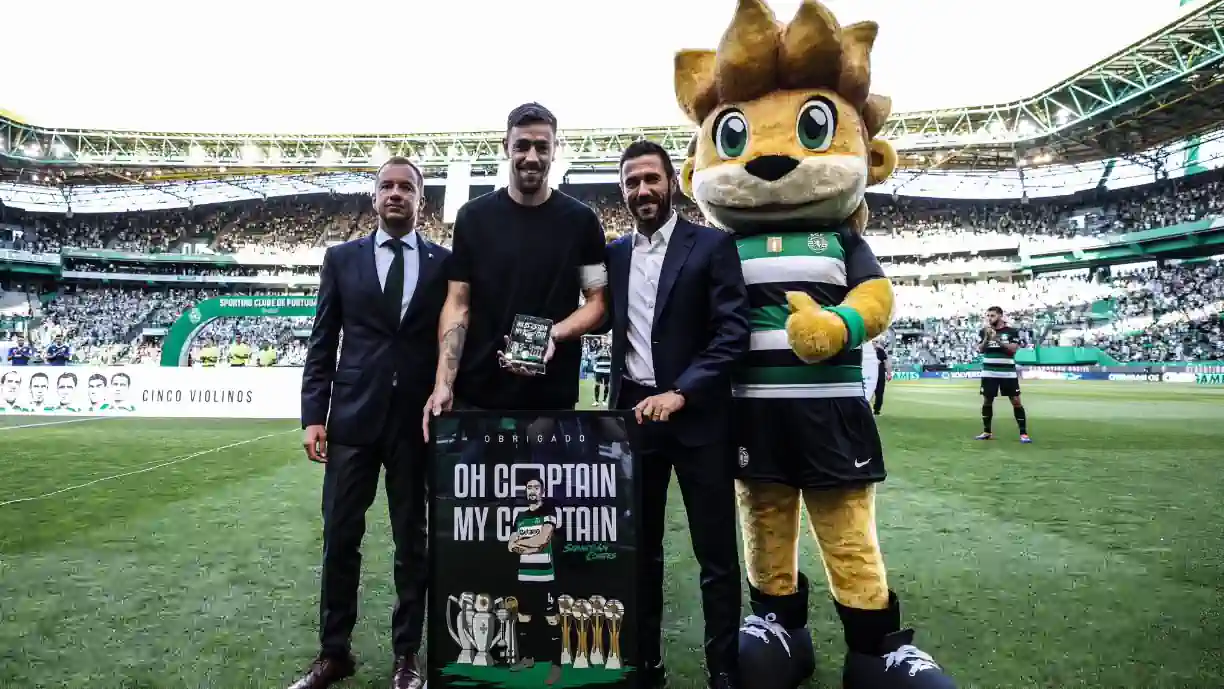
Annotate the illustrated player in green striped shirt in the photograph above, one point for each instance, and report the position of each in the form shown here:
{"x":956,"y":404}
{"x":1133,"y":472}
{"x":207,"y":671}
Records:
{"x":532,"y":540}
{"x":998,"y":347}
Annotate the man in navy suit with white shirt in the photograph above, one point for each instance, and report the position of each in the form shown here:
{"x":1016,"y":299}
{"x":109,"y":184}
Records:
{"x":679,"y":325}
{"x":385,"y":293}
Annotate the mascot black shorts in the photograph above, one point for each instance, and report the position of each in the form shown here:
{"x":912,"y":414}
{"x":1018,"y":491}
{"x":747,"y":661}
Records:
{"x":808,"y":443}
{"x":993,"y":387}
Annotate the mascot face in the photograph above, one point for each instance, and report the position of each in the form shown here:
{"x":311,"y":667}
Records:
{"x":787,"y":123}
{"x":790,"y":154}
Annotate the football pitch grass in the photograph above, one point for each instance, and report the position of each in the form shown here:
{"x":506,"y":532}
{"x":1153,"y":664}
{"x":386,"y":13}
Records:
{"x":151,"y":554}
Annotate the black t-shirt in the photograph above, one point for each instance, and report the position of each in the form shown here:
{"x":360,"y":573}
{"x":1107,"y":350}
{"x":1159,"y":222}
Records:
{"x":521,"y":260}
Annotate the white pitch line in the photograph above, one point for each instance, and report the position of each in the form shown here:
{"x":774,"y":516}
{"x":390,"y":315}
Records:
{"x":55,"y":423}
{"x":176,"y":460}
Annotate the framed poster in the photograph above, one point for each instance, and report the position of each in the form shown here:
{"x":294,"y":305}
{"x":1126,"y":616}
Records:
{"x":533,"y":542}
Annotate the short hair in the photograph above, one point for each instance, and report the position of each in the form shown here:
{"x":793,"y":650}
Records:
{"x":646,"y":147}
{"x":38,"y":375}
{"x":401,"y":160}
{"x":995,"y":309}
{"x":528,"y":114}
{"x":98,"y":376}
{"x":72,"y":376}
{"x":11,"y":374}
{"x":126,"y":378}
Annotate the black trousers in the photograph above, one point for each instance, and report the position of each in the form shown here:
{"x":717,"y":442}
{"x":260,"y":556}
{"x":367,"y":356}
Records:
{"x":879,"y":389}
{"x":350,"y":482}
{"x":706,"y":475}
{"x":539,"y":640}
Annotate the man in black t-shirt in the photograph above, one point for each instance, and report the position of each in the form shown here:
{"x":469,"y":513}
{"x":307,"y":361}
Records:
{"x":526,"y":249}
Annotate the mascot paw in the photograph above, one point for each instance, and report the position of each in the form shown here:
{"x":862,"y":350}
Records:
{"x":898,"y":665}
{"x":814,"y":334}
{"x":772,"y":657}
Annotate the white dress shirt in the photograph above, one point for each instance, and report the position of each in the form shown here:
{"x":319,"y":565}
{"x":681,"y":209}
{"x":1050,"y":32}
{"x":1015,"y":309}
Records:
{"x":871,"y":369}
{"x":385,"y":255}
{"x":645,"y":266}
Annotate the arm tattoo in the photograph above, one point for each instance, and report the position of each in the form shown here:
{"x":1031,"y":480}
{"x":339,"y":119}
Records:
{"x":455,"y":315}
{"x":452,"y":350}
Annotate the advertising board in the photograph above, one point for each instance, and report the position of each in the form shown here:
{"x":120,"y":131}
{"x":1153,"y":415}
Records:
{"x":151,"y":391}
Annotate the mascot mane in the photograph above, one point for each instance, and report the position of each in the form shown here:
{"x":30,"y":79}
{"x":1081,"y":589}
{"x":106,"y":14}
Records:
{"x":788,"y":121}
{"x":759,"y":54}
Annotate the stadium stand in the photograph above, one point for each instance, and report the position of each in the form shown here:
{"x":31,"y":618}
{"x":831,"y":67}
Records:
{"x":951,"y":259}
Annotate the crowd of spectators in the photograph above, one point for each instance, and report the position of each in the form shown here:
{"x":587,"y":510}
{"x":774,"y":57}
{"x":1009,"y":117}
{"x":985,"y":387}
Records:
{"x":1165,"y":313}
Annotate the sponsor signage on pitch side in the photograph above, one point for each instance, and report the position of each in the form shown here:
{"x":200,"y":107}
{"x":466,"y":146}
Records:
{"x":151,"y":391}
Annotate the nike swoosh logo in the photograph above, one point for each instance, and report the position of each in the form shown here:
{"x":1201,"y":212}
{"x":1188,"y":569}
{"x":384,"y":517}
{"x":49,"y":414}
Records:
{"x":859,"y":465}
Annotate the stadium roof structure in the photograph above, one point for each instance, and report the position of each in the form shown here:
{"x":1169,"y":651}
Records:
{"x":1144,"y":104}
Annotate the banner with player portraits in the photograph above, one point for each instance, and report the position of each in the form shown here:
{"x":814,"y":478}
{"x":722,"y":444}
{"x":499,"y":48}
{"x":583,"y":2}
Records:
{"x":151,"y":391}
{"x":533,"y":539}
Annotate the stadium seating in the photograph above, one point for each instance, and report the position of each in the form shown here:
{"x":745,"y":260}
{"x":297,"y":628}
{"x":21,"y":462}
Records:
{"x":951,"y":259}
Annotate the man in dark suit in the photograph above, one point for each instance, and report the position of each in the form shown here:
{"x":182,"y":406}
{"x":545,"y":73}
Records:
{"x":885,"y":370}
{"x":384,"y":292}
{"x":679,"y":324}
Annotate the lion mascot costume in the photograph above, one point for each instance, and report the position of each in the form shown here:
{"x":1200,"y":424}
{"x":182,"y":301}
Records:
{"x":784,"y":155}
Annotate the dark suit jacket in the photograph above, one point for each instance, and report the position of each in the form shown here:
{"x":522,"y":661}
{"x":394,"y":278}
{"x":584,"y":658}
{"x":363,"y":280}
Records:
{"x":354,"y":397}
{"x":700,"y":328}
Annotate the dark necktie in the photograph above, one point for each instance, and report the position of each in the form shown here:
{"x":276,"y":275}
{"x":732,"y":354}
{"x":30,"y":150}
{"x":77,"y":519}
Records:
{"x":393,"y":291}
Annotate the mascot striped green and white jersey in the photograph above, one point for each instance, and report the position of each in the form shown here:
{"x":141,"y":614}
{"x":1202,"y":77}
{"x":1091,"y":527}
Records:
{"x":823,"y":264}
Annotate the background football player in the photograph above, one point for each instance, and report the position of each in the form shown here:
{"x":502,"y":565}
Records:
{"x":998,"y":345}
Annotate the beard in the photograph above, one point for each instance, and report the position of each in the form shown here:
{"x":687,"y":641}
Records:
{"x":651,"y":211}
{"x":530,"y":178}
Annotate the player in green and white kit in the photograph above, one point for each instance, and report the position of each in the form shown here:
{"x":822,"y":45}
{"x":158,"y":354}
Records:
{"x":534,"y":529}
{"x":603,"y":373}
{"x":998,"y":346}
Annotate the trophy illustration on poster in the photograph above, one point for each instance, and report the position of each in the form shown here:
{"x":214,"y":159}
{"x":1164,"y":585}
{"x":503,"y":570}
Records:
{"x":582,"y":619}
{"x":460,"y":623}
{"x":597,"y":625}
{"x":615,"y":612}
{"x":507,"y":616}
{"x":565,"y":606}
{"x":481,"y":625}
{"x":589,"y":618}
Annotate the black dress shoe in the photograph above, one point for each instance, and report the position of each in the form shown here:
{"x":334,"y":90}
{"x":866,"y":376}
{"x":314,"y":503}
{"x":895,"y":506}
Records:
{"x":722,"y":680}
{"x":654,"y":675}
{"x":407,"y":673}
{"x":326,"y":671}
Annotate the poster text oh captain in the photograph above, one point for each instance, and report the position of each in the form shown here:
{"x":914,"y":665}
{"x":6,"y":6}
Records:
{"x":593,"y":485}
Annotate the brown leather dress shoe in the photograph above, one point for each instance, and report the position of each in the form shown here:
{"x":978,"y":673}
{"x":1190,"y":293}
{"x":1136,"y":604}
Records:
{"x":407,"y":673}
{"x":326,"y":671}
